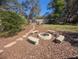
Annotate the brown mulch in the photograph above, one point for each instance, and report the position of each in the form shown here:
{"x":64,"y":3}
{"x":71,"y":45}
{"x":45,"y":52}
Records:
{"x":44,"y":50}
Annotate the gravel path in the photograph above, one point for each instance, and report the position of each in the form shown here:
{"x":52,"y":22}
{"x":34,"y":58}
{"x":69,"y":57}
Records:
{"x":45,"y":50}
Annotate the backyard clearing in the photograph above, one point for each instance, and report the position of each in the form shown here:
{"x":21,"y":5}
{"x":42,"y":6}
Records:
{"x":46,"y":49}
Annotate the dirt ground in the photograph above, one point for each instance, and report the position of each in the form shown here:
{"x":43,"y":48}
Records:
{"x":44,"y":50}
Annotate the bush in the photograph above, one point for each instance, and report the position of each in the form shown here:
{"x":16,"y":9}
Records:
{"x":10,"y":23}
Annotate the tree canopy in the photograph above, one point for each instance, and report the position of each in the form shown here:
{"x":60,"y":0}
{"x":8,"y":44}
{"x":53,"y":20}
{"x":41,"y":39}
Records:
{"x":64,"y":10}
{"x":57,"y":6}
{"x":32,"y":6}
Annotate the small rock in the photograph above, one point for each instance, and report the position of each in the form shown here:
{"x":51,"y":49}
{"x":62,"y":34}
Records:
{"x":60,"y":38}
{"x":51,"y":31}
{"x":33,"y":40}
{"x":36,"y":31}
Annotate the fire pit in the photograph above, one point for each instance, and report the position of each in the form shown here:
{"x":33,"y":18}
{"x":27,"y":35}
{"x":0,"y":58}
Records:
{"x":45,"y":36}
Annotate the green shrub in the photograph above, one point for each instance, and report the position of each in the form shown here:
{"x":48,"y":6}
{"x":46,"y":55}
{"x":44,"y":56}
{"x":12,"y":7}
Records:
{"x":10,"y":23}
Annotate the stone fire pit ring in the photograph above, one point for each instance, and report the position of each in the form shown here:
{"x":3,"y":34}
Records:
{"x":45,"y":36}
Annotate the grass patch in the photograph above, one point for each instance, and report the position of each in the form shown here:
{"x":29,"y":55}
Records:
{"x":70,"y":28}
